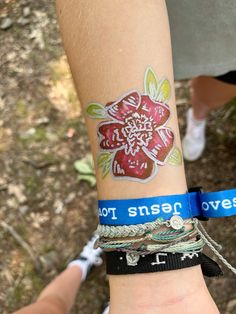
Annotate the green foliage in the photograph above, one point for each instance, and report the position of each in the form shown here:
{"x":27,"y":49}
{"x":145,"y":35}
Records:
{"x":85,"y":168}
{"x":90,"y":179}
{"x":230,"y":110}
{"x":21,"y":108}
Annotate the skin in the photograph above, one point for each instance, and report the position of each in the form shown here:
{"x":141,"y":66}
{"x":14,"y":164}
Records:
{"x":59,"y":296}
{"x":106,"y":62}
{"x":109,"y":45}
{"x":208,"y":94}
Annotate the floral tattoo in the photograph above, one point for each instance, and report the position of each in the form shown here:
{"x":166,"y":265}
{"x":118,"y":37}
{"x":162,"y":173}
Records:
{"x":134,"y":139}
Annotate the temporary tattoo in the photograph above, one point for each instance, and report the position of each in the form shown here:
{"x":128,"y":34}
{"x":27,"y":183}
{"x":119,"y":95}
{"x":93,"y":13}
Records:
{"x":134,"y":139}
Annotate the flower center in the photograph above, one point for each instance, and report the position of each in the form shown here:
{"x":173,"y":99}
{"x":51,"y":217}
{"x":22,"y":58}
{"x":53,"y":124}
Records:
{"x":138,"y":131}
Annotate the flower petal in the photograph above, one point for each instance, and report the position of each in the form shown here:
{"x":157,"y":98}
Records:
{"x":125,"y":105}
{"x":110,"y":135}
{"x":139,"y":166}
{"x":158,"y":111}
{"x":160,"y":146}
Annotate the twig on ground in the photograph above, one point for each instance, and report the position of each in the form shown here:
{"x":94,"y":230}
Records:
{"x":38,"y":165}
{"x":22,"y":243}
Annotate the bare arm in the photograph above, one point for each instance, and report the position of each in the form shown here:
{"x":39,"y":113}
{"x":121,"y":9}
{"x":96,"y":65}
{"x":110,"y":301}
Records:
{"x":109,"y":45}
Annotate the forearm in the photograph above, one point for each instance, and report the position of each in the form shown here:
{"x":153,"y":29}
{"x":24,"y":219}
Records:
{"x":109,"y":45}
{"x":113,"y":44}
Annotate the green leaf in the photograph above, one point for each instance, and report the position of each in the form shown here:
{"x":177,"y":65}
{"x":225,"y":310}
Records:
{"x":88,"y":178}
{"x":85,"y":165}
{"x":96,"y":111}
{"x":82,"y":167}
{"x":150,"y":83}
{"x":104,"y":162}
{"x":89,"y":159}
{"x":175,"y":157}
{"x":163,"y":90}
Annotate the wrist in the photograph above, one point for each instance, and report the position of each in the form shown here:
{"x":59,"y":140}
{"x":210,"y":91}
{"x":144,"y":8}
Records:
{"x":165,"y":292}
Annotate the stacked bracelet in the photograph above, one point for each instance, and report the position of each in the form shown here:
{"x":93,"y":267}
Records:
{"x":119,"y":263}
{"x":134,"y":229}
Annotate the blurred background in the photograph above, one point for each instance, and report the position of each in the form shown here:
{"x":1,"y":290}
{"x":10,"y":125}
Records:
{"x":47,"y":183}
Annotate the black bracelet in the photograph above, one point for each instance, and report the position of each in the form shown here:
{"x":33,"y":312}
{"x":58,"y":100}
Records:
{"x":121,"y":263}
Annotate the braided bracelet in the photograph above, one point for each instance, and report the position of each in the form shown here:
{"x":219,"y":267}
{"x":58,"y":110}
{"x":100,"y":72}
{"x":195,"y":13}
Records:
{"x":132,"y":226}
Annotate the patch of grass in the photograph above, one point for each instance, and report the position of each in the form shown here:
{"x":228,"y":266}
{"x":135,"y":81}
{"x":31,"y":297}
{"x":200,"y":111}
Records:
{"x":230,"y":111}
{"x":21,"y":108}
{"x":21,"y":229}
{"x":38,"y":135}
{"x":18,"y":293}
{"x":77,"y":124}
{"x":47,"y":247}
{"x":38,"y":283}
{"x":32,"y":185}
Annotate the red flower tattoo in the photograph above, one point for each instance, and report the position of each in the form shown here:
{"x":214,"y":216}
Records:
{"x":136,"y":135}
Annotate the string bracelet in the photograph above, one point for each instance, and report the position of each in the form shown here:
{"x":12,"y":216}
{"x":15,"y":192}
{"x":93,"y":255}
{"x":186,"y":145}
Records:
{"x":163,"y":237}
{"x":124,"y":231}
{"x":135,"y":226}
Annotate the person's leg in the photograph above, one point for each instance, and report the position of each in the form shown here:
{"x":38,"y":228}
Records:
{"x":109,"y":45}
{"x":207,"y":94}
{"x":59,"y":295}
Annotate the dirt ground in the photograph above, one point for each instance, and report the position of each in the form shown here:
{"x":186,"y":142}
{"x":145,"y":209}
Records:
{"x":42,"y":134}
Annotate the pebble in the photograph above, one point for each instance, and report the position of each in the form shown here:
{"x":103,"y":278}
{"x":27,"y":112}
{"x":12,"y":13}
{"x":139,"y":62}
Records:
{"x":30,"y":131}
{"x":43,"y":120}
{"x":231,"y":306}
{"x":17,"y":191}
{"x":23,"y":21}
{"x":26,"y":11}
{"x":12,"y":203}
{"x":6,"y":23}
{"x":2,"y":103}
{"x":24,"y":209}
{"x":58,"y":207}
{"x":3,"y":182}
{"x":63,"y":167}
{"x":27,"y":283}
{"x":49,"y":260}
{"x":219,"y":131}
{"x":70,"y":198}
{"x":52,"y":137}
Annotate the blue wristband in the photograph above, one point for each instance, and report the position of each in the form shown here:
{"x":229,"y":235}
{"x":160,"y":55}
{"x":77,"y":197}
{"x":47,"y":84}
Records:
{"x":189,"y":205}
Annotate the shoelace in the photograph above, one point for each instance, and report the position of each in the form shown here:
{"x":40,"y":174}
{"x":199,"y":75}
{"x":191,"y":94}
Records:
{"x":92,"y":254}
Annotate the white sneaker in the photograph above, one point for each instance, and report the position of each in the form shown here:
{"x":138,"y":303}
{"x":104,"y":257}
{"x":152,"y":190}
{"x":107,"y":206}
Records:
{"x":88,"y":257}
{"x":194,"y":140}
{"x":106,"y":310}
